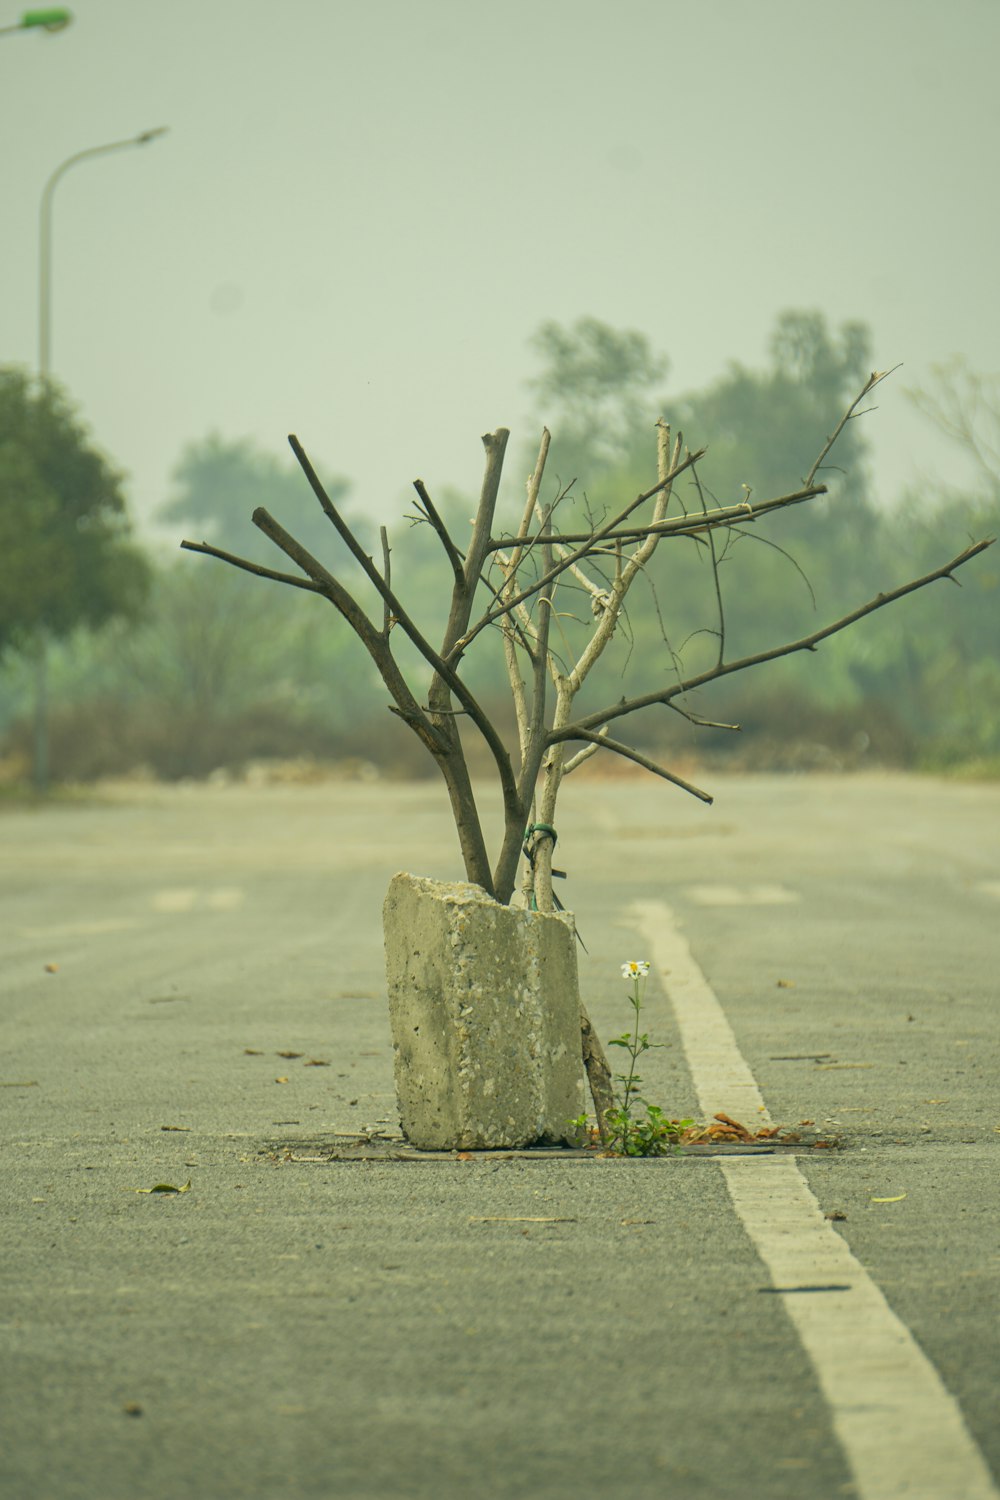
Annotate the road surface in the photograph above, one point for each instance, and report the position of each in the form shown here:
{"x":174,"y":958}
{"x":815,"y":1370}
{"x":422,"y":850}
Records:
{"x":191,"y":991}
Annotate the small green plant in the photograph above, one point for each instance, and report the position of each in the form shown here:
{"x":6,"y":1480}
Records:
{"x":630,"y":1133}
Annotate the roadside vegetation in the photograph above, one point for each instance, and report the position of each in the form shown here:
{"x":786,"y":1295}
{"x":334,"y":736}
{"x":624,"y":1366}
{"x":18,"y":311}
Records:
{"x":156,"y":665}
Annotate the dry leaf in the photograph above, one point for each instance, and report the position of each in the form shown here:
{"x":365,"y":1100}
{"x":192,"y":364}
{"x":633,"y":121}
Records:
{"x":165,"y":1187}
{"x":281,"y":1080}
{"x":252,"y":1052}
{"x":289,"y":1054}
{"x":52,"y":968}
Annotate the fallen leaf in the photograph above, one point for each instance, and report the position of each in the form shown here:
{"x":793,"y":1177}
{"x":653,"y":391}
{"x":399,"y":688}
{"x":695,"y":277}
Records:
{"x":175,"y":1127}
{"x":786,"y":984}
{"x":132,"y":1409}
{"x":52,"y":968}
{"x":835,"y":1213}
{"x":281,"y":1080}
{"x":252,"y":1052}
{"x":316,"y":1062}
{"x":165,"y":1187}
{"x":289,"y":1054}
{"x":897,"y":1199}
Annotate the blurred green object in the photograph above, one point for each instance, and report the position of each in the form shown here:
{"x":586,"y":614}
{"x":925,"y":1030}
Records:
{"x":53,"y":18}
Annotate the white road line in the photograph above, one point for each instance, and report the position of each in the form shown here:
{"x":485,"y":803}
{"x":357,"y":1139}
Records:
{"x":186,"y":898}
{"x":81,"y":929}
{"x":175,"y":899}
{"x":902,"y":1432}
{"x":224,"y":898}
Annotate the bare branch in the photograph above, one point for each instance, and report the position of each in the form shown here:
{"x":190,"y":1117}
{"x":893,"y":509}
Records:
{"x":625,"y":706}
{"x":364,"y":628}
{"x":715,"y":575}
{"x":602,"y":742}
{"x":550,"y":574}
{"x":251,"y":567}
{"x":455,"y":557}
{"x":874,"y":379}
{"x":387,"y":619}
{"x":701,"y":723}
{"x":694,"y":524}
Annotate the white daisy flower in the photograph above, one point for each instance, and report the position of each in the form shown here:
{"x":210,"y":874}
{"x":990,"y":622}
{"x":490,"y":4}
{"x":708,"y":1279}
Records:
{"x":636,"y":968}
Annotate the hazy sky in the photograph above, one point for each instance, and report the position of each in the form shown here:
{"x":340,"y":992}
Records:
{"x":362,"y":211}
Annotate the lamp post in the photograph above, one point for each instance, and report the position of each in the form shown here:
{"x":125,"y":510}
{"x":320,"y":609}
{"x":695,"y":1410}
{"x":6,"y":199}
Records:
{"x":41,"y":734}
{"x":45,"y":236}
{"x":52,"y":19}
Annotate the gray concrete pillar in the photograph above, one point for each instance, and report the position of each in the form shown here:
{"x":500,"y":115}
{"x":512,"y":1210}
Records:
{"x":485,"y":1010}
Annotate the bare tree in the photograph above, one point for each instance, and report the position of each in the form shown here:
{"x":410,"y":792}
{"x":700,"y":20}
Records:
{"x":511,"y":583}
{"x":965,"y":406}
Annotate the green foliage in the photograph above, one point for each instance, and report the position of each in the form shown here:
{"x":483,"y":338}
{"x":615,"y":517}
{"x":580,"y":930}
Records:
{"x":594,"y":388}
{"x":650,"y":1133}
{"x":64,"y":533}
{"x":222,"y":669}
{"x":217,"y":485}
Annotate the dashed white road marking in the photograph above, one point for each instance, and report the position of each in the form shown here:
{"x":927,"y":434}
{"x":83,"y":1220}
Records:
{"x":741,"y":895}
{"x":81,"y":929}
{"x":225,"y":898}
{"x":902,"y":1433}
{"x":186,"y":898}
{"x":172,"y":900}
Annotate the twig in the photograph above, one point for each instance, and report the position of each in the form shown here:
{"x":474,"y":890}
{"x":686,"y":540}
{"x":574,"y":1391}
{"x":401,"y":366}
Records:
{"x":251,"y":567}
{"x":455,"y":557}
{"x":387,"y":617}
{"x":874,"y":379}
{"x":598,"y":1074}
{"x":561,"y":566}
{"x":603,"y":742}
{"x":625,"y":706}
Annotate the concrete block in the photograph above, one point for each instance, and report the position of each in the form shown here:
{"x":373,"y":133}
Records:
{"x":485,"y":1010}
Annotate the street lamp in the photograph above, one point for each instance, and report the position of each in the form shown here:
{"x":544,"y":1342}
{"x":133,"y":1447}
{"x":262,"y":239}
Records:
{"x":41,"y":747}
{"x":45,"y":235}
{"x":52,"y":19}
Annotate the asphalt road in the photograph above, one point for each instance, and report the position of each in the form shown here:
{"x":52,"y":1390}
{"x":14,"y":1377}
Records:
{"x":191,"y":991}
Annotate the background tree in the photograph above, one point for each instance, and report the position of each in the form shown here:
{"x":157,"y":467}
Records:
{"x":215,"y":480}
{"x":68,"y":561}
{"x":765,"y":427}
{"x":596,"y":390}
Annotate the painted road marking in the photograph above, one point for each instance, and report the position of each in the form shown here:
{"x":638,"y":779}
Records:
{"x":186,"y":898}
{"x":225,"y":898}
{"x":175,"y":899}
{"x":740,"y":895}
{"x":902,"y":1433}
{"x":81,"y":929}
